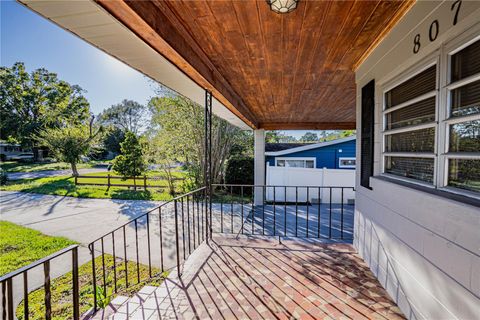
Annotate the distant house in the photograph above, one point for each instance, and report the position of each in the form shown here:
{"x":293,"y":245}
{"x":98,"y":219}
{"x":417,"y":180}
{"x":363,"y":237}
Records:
{"x":335,"y":154}
{"x":11,"y":151}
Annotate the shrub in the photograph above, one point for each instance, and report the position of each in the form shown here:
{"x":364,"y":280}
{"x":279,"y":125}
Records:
{"x":240,"y":170}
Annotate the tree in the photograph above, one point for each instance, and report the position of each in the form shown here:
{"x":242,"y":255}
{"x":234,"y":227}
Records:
{"x":329,"y":135}
{"x":132,"y":160}
{"x":112,"y":139}
{"x":68,"y":144}
{"x":178,"y":125}
{"x":162,"y":155}
{"x":30,"y":103}
{"x":278,"y":137}
{"x":309,"y":137}
{"x":128,"y":115}
{"x":272,"y":137}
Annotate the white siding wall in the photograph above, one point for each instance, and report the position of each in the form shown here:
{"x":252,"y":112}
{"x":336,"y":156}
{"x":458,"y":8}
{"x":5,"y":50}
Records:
{"x":423,"y":248}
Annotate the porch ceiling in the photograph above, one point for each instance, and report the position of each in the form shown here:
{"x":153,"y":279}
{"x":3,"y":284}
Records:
{"x":292,"y":71}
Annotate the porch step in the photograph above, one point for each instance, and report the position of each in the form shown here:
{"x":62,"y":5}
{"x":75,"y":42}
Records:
{"x":123,"y":307}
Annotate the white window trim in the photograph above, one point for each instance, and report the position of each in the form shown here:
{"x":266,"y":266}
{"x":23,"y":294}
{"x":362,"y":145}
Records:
{"x":442,"y":121}
{"x":297,"y":158}
{"x":347,"y":166}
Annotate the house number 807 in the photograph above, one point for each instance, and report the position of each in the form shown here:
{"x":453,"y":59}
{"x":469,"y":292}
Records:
{"x":435,"y":27}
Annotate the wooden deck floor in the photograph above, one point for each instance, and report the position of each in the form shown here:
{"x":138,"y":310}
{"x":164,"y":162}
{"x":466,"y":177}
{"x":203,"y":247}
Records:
{"x":258,"y":278}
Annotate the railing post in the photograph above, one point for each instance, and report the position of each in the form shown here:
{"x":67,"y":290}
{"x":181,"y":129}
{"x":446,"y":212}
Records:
{"x":10,"y":306}
{"x":161,"y":238}
{"x":94,"y":278}
{"x":25,"y":296}
{"x":108,"y":181}
{"x":76,"y":296}
{"x":145,"y":182}
{"x":176,"y":237}
{"x":4,"y":301}
{"x":48,"y":291}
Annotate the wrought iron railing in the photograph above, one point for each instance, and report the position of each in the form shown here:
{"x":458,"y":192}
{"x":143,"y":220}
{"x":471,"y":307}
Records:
{"x":289,"y":211}
{"x":8,"y":294}
{"x":164,"y":237}
{"x":168,"y":235}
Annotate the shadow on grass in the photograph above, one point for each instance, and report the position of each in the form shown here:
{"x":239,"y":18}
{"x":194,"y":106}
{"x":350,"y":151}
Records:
{"x":56,"y":186}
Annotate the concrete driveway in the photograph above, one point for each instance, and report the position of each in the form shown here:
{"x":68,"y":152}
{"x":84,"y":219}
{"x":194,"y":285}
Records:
{"x":79,"y":219}
{"x":50,"y":173}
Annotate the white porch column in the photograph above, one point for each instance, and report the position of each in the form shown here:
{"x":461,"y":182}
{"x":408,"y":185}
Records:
{"x":259,"y":153}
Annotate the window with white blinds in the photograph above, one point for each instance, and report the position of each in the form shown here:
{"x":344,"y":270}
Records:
{"x":431,"y":131}
{"x":410,"y":127}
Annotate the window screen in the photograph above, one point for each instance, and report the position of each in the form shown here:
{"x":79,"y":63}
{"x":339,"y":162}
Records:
{"x":410,"y":128}
{"x":413,"y":168}
{"x":416,"y":86}
{"x":463,"y":155}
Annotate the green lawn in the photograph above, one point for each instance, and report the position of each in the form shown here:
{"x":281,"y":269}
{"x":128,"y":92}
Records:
{"x":62,"y":288}
{"x":65,"y":186}
{"x":13,"y":166}
{"x":21,"y":246}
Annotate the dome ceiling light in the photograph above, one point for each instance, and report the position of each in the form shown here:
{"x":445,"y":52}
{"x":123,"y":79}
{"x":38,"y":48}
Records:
{"x":282,"y":6}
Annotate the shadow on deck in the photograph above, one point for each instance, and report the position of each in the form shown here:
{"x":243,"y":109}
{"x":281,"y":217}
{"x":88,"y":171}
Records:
{"x":259,"y":278}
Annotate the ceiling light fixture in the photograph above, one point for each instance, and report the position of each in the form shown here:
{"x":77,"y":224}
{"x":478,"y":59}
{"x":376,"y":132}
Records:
{"x":282,"y":6}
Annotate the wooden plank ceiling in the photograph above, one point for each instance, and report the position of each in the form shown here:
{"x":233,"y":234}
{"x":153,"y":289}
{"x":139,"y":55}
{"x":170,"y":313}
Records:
{"x":275,"y":71}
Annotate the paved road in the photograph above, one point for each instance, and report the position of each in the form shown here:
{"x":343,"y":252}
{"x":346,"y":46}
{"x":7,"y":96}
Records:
{"x":50,"y":173}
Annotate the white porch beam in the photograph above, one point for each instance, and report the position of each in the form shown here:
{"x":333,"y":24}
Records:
{"x":259,"y":165}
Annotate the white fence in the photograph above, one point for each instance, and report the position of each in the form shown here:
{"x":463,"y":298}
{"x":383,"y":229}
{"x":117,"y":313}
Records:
{"x":285,"y":176}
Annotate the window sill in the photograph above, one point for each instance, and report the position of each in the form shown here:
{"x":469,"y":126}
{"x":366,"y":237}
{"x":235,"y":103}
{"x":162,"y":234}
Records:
{"x":437,"y":192}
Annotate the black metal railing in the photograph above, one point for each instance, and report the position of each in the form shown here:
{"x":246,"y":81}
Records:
{"x":9,"y":296}
{"x":288,"y":211}
{"x":164,"y":237}
{"x":150,"y":244}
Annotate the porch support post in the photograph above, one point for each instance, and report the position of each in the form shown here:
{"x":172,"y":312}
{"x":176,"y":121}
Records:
{"x":208,"y":164}
{"x":259,"y":165}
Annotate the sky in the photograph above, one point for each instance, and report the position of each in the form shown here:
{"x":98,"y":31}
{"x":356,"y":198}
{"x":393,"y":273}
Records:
{"x":29,"y":38}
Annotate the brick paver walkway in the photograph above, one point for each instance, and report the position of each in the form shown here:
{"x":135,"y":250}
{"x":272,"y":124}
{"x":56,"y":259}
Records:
{"x":262,"y":279}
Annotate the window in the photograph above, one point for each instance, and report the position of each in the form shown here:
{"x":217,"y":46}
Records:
{"x":346,"y":162}
{"x":432,"y":136}
{"x":462,"y":158}
{"x":296,"y":162}
{"x":410,"y":127}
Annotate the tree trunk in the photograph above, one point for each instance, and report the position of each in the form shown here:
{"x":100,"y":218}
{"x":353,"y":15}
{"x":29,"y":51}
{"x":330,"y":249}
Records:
{"x":35,"y":152}
{"x":74,"y":169}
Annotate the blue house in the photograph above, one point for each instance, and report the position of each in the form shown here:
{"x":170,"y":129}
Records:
{"x":335,"y":154}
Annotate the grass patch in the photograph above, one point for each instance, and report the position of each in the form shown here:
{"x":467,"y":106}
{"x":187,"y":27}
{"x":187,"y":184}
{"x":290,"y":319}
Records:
{"x":13,"y":166}
{"x":65,"y":186}
{"x":20,"y":246}
{"x":62,"y":307}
